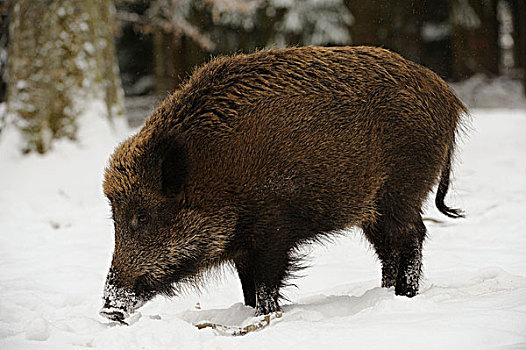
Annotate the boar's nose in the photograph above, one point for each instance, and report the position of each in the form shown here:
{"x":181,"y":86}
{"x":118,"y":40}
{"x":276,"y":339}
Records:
{"x":119,"y":302}
{"x":112,"y":313}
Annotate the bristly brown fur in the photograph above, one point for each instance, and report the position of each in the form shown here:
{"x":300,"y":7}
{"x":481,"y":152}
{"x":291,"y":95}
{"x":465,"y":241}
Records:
{"x":259,"y":153}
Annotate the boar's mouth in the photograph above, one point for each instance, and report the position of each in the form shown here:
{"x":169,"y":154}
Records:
{"x":147,"y":287}
{"x":171,"y":283}
{"x":120,"y":303}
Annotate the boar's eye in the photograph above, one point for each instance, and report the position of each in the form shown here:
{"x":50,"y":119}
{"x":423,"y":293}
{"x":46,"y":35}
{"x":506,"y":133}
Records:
{"x":143,"y":219}
{"x":139,"y":220}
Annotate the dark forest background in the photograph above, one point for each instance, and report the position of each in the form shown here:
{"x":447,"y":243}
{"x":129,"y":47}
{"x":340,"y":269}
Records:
{"x":62,"y":44}
{"x":160,"y":41}
{"x":455,"y":38}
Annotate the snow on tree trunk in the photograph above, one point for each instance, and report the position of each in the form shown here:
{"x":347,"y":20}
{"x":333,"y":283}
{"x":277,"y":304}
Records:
{"x":61,"y":59}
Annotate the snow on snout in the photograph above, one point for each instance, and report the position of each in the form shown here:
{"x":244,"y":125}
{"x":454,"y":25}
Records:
{"x":119,"y":303}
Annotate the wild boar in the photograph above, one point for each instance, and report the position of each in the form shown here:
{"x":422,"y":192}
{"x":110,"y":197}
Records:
{"x":257,"y":154}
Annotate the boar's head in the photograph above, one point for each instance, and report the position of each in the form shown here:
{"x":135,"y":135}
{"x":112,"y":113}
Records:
{"x":162,"y":238}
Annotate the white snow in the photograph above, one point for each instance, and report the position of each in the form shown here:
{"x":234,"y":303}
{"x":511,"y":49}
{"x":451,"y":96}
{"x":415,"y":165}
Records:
{"x":56,"y":244}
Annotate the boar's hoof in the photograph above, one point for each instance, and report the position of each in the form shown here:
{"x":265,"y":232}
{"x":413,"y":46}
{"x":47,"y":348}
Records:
{"x":406,"y":291}
{"x":266,"y":308}
{"x":266,"y":301}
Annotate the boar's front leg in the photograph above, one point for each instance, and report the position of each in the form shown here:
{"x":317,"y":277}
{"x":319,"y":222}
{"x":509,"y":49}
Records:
{"x":270,"y":271}
{"x":267,"y":297}
{"x":245,"y":271}
{"x":262,"y":273}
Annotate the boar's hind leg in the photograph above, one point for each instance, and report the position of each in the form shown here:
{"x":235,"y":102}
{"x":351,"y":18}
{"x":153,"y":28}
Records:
{"x":382,"y":240}
{"x":399,"y":247}
{"x":410,"y":267}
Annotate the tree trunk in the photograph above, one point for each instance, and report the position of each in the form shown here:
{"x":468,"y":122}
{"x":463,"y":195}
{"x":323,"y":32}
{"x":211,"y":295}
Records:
{"x":165,"y":61}
{"x":436,"y":37}
{"x":475,"y":38}
{"x":61,"y":58}
{"x":518,"y":10}
{"x":379,"y":23}
{"x":175,"y":58}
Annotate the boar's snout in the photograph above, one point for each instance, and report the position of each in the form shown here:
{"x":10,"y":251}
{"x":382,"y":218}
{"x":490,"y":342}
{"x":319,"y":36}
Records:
{"x":113,"y":314}
{"x":119,"y":302}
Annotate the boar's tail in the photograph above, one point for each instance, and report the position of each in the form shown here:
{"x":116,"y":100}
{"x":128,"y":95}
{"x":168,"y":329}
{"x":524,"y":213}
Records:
{"x":443,"y":186}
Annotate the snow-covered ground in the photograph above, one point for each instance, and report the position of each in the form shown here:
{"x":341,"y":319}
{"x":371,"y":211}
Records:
{"x":56,"y":244}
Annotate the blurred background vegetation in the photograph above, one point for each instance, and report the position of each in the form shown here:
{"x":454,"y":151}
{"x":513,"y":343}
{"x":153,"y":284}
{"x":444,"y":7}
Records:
{"x":53,"y":51}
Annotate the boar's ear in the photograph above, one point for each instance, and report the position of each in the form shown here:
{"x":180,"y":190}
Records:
{"x":174,"y":166}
